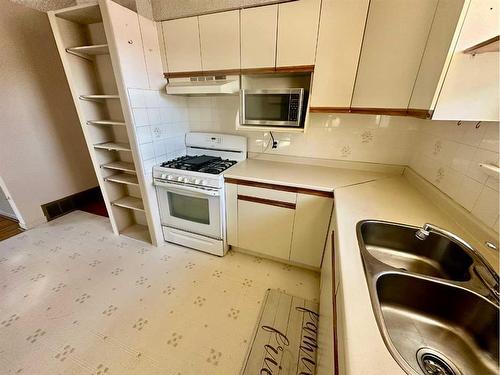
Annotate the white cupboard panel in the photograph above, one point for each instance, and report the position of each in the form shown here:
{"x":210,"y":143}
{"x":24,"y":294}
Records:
{"x":339,"y":45}
{"x":471,"y":87}
{"x":265,"y":229}
{"x":297,"y":32}
{"x":258,"y":37}
{"x":152,"y":53}
{"x":128,"y":39}
{"x":276,"y":195}
{"x":312,"y":218}
{"x":220,"y":40}
{"x":395,"y":37}
{"x":182,"y":44}
{"x":231,"y":214}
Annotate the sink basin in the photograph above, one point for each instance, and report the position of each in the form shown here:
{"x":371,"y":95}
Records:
{"x":438,"y":328}
{"x":397,"y":246}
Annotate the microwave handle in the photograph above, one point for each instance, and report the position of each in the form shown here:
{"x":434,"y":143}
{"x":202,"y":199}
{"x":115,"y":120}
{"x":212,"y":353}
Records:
{"x":212,"y":193}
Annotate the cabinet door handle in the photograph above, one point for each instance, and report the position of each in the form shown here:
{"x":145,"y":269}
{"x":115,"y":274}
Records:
{"x":269,"y":202}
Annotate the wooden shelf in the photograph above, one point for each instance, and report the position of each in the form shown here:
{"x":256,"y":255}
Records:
{"x":113,"y":146}
{"x":105,"y":122}
{"x":98,"y":98}
{"x":132,"y":203}
{"x":123,"y":178}
{"x":120,"y":166}
{"x":137,"y":232}
{"x":98,"y":49}
{"x":84,"y":14}
{"x":490,"y":45}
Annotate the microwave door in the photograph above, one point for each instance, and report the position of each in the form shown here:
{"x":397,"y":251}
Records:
{"x":189,"y":210}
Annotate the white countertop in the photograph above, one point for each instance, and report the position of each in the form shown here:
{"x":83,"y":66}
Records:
{"x":299,"y":175}
{"x":392,"y":199}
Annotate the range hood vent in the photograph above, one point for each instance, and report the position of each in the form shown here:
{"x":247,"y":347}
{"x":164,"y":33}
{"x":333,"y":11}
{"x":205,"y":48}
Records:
{"x":203,"y":85}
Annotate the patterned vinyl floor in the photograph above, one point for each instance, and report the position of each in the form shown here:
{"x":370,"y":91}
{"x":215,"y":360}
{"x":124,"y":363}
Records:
{"x":75,"y":299}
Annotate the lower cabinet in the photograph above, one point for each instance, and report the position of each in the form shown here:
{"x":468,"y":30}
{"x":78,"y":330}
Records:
{"x":278,"y":221}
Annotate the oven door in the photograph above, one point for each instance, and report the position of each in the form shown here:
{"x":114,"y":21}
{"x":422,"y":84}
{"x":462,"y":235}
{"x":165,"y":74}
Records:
{"x":279,"y":107}
{"x":193,"y":209}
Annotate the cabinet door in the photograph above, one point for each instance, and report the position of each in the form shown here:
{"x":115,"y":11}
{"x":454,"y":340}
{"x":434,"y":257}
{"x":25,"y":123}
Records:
{"x":339,"y":45}
{"x":394,"y":42}
{"x":471,"y":87}
{"x":265,"y":228}
{"x":312,"y":218}
{"x":258,"y":37}
{"x":220,"y":40}
{"x":297,"y":32}
{"x":182,"y":44}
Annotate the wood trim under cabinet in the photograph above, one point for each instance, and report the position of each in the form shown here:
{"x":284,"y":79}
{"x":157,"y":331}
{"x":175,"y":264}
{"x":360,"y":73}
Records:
{"x":266,"y":185}
{"x":269,"y":202}
{"x":380,"y":111}
{"x":329,"y":109}
{"x":226,"y":72}
{"x":413,"y":112}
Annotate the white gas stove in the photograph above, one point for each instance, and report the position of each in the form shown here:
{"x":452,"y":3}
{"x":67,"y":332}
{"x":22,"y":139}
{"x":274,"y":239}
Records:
{"x":190,"y":191}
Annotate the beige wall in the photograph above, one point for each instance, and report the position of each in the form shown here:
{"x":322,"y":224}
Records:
{"x":43,"y":155}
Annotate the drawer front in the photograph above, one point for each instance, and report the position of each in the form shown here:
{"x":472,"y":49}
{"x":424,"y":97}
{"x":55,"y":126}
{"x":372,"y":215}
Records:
{"x":269,"y":194}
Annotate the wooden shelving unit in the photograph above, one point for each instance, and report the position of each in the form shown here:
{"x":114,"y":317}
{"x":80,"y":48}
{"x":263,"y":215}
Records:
{"x":96,"y":83}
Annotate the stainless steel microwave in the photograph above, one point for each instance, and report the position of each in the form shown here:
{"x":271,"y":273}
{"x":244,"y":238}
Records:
{"x":272,"y":107}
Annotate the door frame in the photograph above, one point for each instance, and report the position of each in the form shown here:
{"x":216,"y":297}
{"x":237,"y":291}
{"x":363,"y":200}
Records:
{"x":18,"y":217}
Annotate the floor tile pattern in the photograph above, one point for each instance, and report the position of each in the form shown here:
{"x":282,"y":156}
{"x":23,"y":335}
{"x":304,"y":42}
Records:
{"x":75,"y":299}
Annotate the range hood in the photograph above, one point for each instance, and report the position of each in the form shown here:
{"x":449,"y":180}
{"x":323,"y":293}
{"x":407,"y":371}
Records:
{"x":204,"y":85}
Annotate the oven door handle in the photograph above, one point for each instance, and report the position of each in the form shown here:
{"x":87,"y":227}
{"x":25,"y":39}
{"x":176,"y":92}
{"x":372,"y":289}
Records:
{"x":181,"y":188}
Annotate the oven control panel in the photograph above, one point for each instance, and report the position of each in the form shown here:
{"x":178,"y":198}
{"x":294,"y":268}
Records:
{"x":188,"y":177}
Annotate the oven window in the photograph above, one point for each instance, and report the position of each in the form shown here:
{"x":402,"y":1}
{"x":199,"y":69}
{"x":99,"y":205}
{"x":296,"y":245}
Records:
{"x":189,"y":208}
{"x":272,"y":107}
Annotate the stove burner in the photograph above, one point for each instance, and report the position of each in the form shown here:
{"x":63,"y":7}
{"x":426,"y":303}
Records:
{"x":202,"y":163}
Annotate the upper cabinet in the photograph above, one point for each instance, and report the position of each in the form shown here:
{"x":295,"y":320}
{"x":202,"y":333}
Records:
{"x":297,"y":32}
{"x":258,"y":37}
{"x":182,"y":44}
{"x":470,"y":89}
{"x":395,"y":38}
{"x":220,"y":41}
{"x":339,"y":45}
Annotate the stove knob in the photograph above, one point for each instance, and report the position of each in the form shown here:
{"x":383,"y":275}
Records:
{"x":197,"y":181}
{"x":204,"y":182}
{"x":180,"y":178}
{"x":163,"y":176}
{"x":170,"y":177}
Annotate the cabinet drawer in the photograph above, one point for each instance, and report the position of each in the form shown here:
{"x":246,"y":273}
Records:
{"x":269,"y":194}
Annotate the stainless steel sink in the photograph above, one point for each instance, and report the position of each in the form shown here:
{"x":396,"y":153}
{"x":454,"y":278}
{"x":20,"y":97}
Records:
{"x":397,"y":246}
{"x":436,"y":315}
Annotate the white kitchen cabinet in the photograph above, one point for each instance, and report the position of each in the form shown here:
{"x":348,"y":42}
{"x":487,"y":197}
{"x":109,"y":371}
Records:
{"x":182,"y":44}
{"x":278,"y":221}
{"x":265,"y":228}
{"x":258,"y":37}
{"x":394,"y":42}
{"x":312,"y":217}
{"x":220,"y":40}
{"x":297,"y":32}
{"x":340,"y":37}
{"x":470,"y":90}
{"x":152,"y":54}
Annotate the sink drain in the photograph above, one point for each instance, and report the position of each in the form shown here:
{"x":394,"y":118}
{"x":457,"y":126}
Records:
{"x":433,"y":362}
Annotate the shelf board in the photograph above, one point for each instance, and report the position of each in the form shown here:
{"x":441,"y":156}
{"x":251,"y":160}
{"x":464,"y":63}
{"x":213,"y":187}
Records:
{"x":490,"y":45}
{"x":105,"y":122}
{"x":120,"y":166}
{"x":113,"y":146}
{"x":132,"y":203}
{"x":137,"y":232}
{"x":84,"y":14}
{"x":98,"y":97}
{"x":123,"y":178}
{"x":98,"y":49}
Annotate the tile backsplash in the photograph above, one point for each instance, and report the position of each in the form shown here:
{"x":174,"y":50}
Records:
{"x":368,"y":138}
{"x":447,"y":154}
{"x":161,"y":122}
